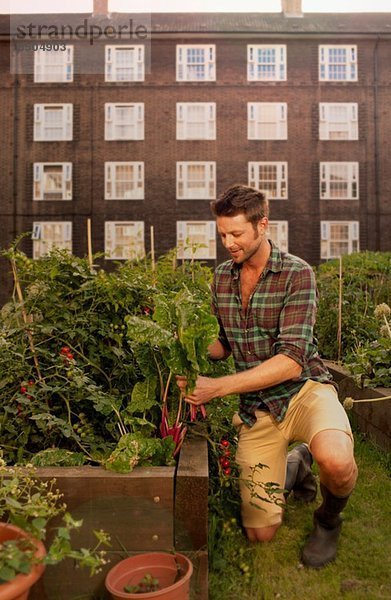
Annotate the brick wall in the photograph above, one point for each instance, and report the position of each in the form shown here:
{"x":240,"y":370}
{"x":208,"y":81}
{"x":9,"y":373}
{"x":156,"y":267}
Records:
{"x":160,"y":151}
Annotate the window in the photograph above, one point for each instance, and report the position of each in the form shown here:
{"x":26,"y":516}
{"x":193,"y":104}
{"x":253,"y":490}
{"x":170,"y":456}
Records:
{"x":49,"y":234}
{"x":267,"y":121}
{"x":52,"y":122}
{"x":337,"y":63}
{"x":196,"y":121}
{"x":270,"y":177}
{"x":52,"y":181}
{"x":196,"y":239}
{"x":266,"y":63}
{"x":278,"y":232}
{"x":124,"y":181}
{"x":339,"y":180}
{"x":124,"y":240}
{"x":124,"y":121}
{"x":124,"y":63}
{"x":338,"y":238}
{"x":196,"y":180}
{"x":338,"y":121}
{"x":196,"y":63}
{"x":53,"y":65}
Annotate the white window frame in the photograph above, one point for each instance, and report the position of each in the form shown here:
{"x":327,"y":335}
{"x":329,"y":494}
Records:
{"x":40,"y":184}
{"x":328,"y":170}
{"x":278,"y":232}
{"x":185,"y":70}
{"x":281,"y":192}
{"x":135,"y":250}
{"x":42,"y":125}
{"x":187,"y":128}
{"x":353,"y":240}
{"x":261,"y":121}
{"x":278,"y":66}
{"x":63,"y":69}
{"x":45,"y":231}
{"x":185,"y":191}
{"x":200,"y":245}
{"x":334,"y":128}
{"x":112,"y":184}
{"x":113,"y":122}
{"x":113,"y":66}
{"x":327,"y":65}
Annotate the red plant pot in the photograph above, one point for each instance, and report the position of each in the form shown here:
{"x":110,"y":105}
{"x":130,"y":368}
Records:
{"x":19,"y":587}
{"x":162,"y":566}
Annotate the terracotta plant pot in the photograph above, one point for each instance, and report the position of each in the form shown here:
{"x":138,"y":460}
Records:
{"x":162,"y":566}
{"x":19,"y":588}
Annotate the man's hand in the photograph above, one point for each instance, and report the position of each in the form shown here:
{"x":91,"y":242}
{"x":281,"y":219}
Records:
{"x":204,"y":391}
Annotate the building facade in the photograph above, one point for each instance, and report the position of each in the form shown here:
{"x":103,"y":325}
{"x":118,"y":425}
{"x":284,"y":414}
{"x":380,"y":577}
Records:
{"x":144,"y":132}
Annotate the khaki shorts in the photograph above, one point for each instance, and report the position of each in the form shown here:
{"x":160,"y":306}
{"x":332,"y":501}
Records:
{"x":314,"y":408}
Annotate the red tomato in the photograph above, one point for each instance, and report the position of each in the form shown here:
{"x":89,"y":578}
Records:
{"x":227,"y":471}
{"x":225,"y":443}
{"x":23,"y":389}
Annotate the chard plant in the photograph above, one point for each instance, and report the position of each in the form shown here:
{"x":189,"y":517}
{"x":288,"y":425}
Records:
{"x":172,"y":340}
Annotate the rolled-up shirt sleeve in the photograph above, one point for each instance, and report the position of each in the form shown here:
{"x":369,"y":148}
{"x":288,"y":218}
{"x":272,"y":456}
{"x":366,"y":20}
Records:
{"x":297,"y":318}
{"x":222,"y":335}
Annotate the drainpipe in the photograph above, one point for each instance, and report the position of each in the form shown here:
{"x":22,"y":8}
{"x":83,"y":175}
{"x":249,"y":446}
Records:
{"x":376,"y":143}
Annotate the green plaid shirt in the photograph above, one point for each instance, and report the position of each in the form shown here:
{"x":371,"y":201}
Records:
{"x":279,"y":320}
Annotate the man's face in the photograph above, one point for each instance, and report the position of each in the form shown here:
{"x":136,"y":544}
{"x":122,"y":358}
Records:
{"x":240,"y":238}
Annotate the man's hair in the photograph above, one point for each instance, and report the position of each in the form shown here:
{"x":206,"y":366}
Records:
{"x":241,"y":199}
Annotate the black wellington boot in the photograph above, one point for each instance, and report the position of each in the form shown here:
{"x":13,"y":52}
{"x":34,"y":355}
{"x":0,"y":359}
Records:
{"x":299,"y":477}
{"x":321,"y":547}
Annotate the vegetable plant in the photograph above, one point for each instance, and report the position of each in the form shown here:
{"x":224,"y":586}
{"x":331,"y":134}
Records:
{"x":75,"y":386}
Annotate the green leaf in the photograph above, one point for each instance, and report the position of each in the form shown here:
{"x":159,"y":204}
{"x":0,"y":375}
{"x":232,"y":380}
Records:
{"x":143,"y":395}
{"x":146,"y":331}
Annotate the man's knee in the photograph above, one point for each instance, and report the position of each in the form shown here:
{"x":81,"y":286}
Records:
{"x":335,"y":458}
{"x":261,"y":534}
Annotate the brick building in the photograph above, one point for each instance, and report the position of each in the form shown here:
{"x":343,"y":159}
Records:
{"x":145,"y":132}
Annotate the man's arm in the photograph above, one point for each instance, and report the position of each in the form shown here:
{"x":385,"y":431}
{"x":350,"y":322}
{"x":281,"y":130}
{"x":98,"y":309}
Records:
{"x":217,"y":351}
{"x":271,"y":372}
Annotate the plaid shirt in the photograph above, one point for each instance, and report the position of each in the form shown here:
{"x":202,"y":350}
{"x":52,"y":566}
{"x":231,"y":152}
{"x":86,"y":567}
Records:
{"x":279,"y":320}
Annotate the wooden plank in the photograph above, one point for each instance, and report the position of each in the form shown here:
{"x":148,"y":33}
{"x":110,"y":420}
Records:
{"x":372,"y":418}
{"x":191,"y":496}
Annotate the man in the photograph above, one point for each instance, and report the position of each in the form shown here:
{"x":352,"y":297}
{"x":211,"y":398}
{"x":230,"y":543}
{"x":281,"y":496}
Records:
{"x":265,"y":301}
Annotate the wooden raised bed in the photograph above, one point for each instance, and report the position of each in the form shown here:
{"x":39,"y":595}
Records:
{"x":372,"y":418}
{"x":152,"y":508}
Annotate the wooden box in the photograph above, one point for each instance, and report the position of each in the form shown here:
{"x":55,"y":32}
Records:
{"x":152,"y":508}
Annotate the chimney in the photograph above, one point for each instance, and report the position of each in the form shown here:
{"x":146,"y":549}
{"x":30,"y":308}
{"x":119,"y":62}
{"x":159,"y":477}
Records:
{"x":101,"y":7}
{"x":291,"y":8}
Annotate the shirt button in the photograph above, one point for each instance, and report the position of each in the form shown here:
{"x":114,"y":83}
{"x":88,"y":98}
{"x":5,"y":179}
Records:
{"x":249,"y":352}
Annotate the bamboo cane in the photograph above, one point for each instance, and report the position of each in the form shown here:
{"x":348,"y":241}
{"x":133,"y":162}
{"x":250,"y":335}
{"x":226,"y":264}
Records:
{"x":339,"y":334}
{"x":26,"y":318}
{"x":89,"y":242}
{"x":152,"y":248}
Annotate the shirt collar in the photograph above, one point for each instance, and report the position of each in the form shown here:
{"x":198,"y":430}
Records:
{"x":274,"y":263}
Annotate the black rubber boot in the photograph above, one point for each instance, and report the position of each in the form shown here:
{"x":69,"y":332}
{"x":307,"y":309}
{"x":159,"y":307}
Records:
{"x":299,"y":477}
{"x":321,"y":547}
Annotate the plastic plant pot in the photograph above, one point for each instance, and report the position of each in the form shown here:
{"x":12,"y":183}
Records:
{"x":173,"y":572}
{"x":19,"y":587}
